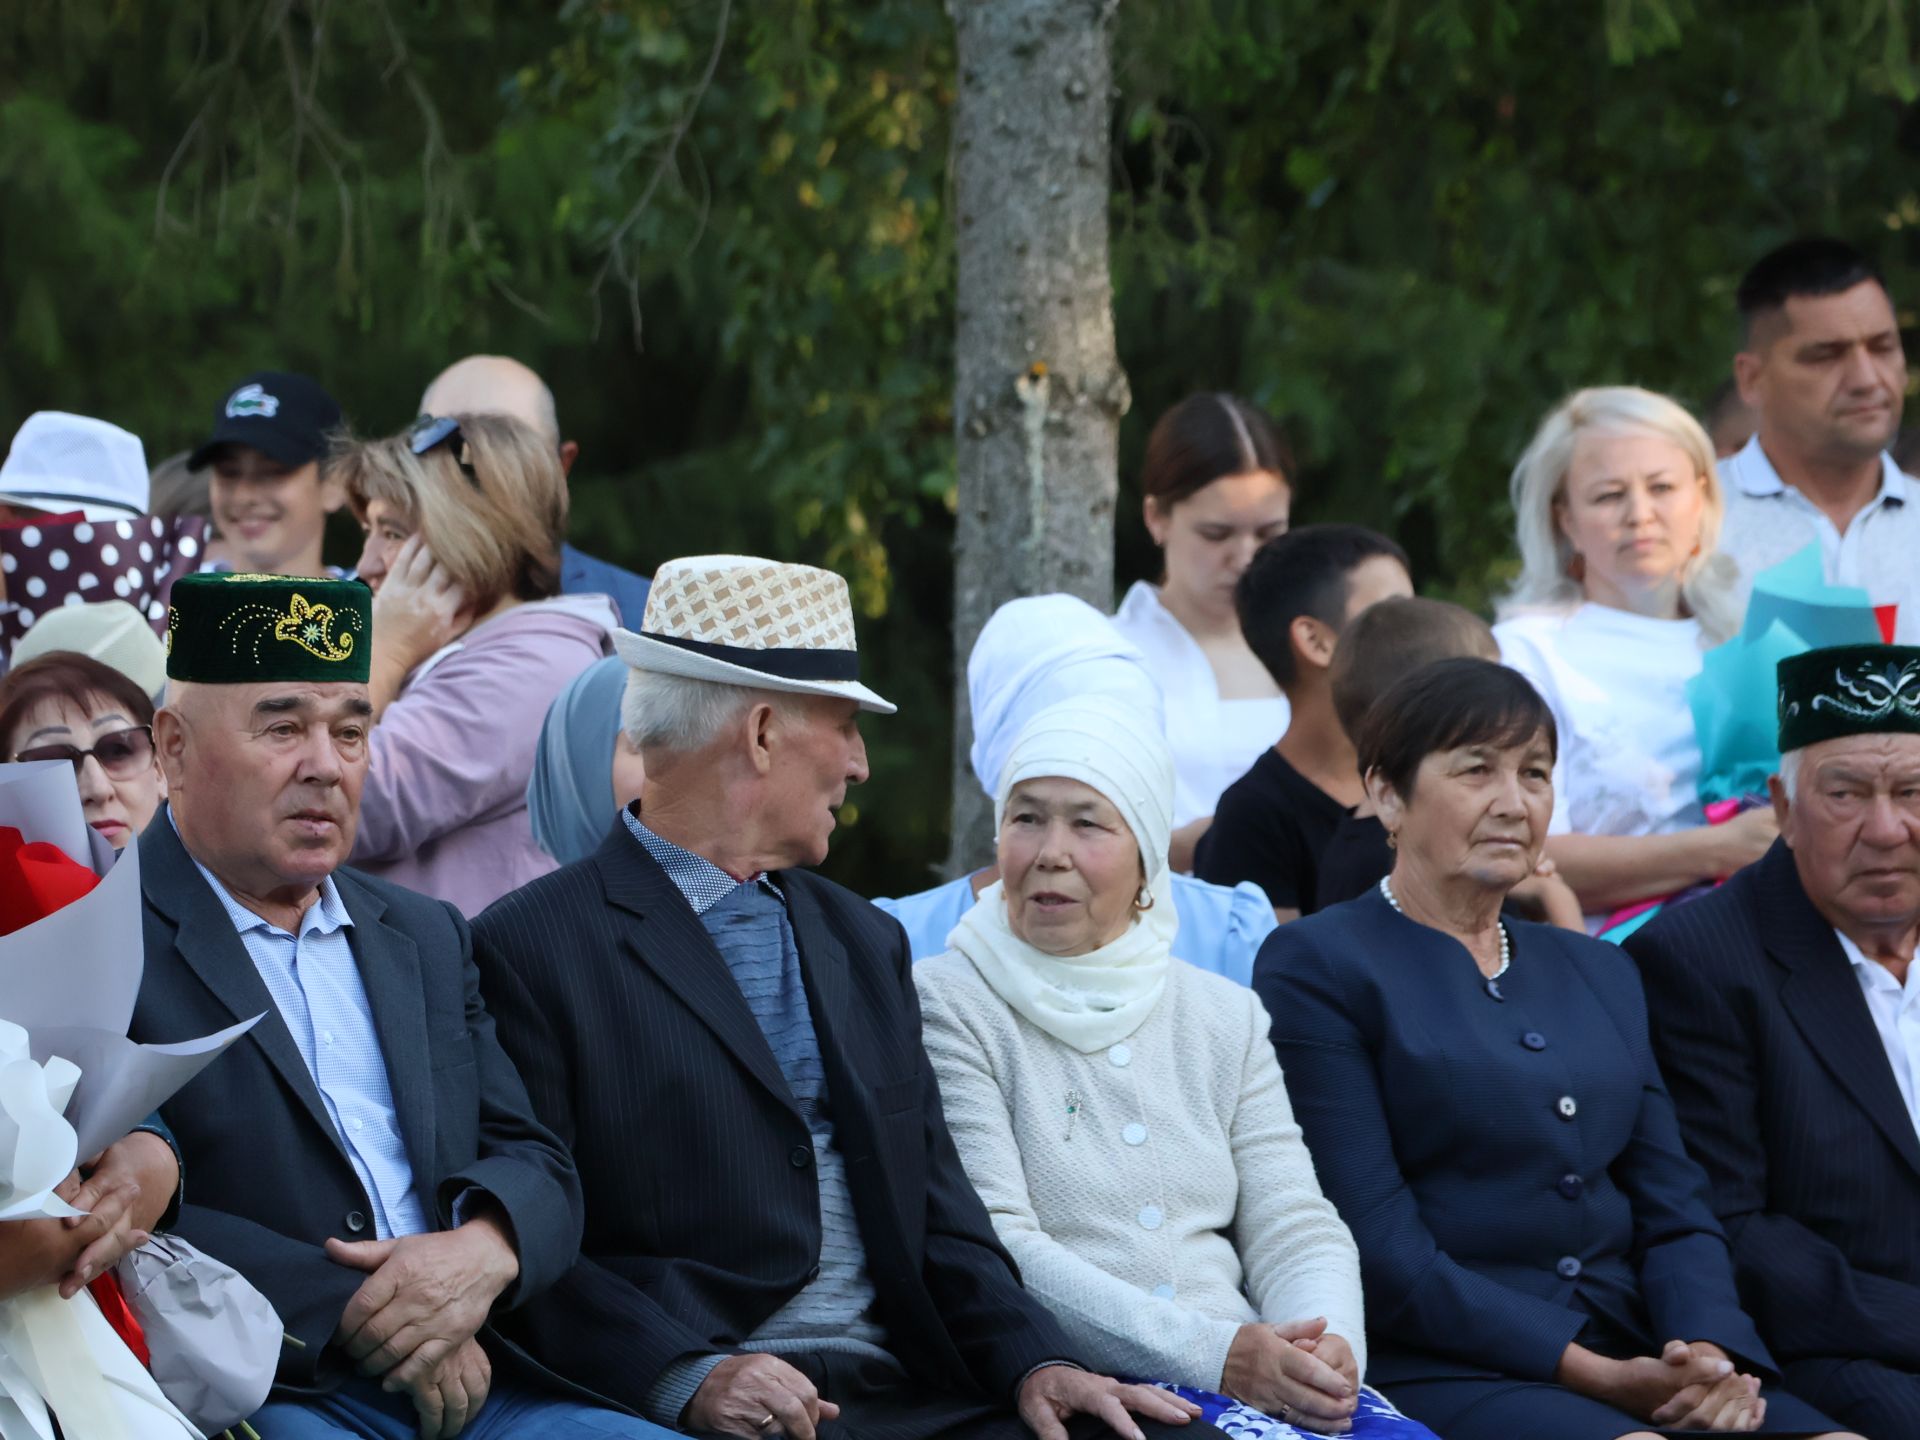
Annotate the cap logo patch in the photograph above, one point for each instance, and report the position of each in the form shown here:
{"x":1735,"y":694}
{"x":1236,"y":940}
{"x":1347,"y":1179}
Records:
{"x":252,"y":400}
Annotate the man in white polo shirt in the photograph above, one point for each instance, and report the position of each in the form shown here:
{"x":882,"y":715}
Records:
{"x":1822,"y":366}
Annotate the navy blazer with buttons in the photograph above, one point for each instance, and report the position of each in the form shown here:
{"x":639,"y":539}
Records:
{"x":703,"y":1206}
{"x":1789,"y":1101}
{"x":1511,"y":1167}
{"x":267,"y":1179}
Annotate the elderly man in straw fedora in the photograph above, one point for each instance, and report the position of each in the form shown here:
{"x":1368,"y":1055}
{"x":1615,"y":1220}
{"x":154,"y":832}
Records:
{"x":780,"y":1237}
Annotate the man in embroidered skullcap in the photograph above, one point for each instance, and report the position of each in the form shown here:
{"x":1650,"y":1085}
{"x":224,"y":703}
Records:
{"x":1785,"y":1008}
{"x":782,"y":1239}
{"x":366,"y":1154}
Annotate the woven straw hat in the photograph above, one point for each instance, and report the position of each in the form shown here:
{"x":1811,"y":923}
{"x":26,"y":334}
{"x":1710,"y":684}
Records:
{"x":740,"y":620}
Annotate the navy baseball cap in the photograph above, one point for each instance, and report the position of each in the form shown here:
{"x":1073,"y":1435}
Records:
{"x":282,"y":415}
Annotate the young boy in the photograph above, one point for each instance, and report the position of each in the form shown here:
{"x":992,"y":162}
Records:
{"x":1395,"y":638}
{"x":1301,"y":591}
{"x":270,"y":495}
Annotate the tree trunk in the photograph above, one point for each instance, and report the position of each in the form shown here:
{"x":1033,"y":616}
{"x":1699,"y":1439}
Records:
{"x":1038,"y":389}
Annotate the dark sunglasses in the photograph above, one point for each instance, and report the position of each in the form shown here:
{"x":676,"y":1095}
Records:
{"x":431,"y":430}
{"x":123,"y":754}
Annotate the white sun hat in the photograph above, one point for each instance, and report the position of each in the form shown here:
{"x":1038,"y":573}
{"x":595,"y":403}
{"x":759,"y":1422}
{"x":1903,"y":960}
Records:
{"x":60,"y":462}
{"x":739,"y":620}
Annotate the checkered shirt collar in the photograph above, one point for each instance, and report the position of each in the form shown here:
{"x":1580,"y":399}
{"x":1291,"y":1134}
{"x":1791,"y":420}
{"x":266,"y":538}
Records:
{"x":704,"y":883}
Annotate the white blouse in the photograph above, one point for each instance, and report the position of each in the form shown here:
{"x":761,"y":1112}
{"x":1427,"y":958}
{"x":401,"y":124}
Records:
{"x":1157,"y":1195}
{"x":1214,"y":741}
{"x":1617,"y":685}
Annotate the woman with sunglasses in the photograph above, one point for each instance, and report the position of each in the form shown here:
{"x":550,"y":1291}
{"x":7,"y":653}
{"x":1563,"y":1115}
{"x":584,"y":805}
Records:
{"x":464,"y":517}
{"x":68,"y":706}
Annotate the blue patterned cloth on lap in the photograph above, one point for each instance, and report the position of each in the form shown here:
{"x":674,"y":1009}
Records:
{"x":1375,"y":1419}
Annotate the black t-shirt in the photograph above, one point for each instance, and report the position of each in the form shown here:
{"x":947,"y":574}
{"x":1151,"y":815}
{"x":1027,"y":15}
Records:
{"x":1353,"y":860}
{"x":1270,"y":827}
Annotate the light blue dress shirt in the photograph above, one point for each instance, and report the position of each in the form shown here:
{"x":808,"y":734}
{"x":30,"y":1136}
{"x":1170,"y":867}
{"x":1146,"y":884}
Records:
{"x":316,"y":986}
{"x":1220,"y":930}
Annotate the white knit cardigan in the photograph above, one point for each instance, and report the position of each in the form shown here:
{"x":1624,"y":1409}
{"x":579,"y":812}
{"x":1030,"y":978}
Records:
{"x":1156,"y":1195}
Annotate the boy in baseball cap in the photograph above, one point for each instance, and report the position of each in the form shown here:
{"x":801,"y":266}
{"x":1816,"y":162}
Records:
{"x":270,"y":495}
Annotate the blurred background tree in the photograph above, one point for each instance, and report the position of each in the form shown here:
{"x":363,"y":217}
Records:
{"x":722,"y":232}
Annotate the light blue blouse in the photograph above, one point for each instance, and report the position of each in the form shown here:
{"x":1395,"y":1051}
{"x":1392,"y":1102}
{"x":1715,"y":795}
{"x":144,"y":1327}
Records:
{"x":1220,"y":927}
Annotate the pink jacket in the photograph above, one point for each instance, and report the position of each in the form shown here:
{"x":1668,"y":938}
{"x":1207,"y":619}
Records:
{"x":444,"y":810}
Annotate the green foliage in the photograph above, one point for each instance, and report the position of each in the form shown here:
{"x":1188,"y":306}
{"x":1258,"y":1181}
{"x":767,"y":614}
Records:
{"x":1407,"y":236}
{"x":722,"y":230}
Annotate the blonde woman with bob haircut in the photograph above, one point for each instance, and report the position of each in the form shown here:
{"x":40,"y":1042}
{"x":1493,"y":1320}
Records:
{"x":472,"y":641}
{"x":1621,"y":590}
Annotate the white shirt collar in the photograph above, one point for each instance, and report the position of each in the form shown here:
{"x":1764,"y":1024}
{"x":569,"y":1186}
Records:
{"x":1753,"y":472}
{"x":1871,"y":972}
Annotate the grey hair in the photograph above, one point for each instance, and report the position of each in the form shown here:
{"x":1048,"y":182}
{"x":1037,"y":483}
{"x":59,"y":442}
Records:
{"x":1538,"y":486}
{"x":1790,"y":773}
{"x":676,"y":712}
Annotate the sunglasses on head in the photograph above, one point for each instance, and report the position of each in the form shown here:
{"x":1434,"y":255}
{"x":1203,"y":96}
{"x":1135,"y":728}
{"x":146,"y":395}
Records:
{"x":123,"y":754}
{"x":431,"y":430}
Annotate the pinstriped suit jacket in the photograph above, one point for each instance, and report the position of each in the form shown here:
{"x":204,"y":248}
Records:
{"x":702,"y":1202}
{"x":1786,"y":1098}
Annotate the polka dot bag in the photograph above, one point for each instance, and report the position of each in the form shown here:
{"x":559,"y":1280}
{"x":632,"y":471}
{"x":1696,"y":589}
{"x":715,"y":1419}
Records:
{"x":71,"y":562}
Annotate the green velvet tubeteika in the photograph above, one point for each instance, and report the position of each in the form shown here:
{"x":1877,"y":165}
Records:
{"x":225,"y":629}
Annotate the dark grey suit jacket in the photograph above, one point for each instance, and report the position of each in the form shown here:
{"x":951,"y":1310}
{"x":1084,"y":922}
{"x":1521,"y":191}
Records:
{"x":269,"y":1180}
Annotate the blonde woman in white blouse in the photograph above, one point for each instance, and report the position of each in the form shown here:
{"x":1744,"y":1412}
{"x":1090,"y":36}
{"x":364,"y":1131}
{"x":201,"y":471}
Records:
{"x":1622,"y":590}
{"x":1122,"y":1113}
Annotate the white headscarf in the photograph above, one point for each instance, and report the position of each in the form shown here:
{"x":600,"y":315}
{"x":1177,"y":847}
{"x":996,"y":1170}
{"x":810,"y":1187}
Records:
{"x":1037,"y":651}
{"x":1094,"y":1000}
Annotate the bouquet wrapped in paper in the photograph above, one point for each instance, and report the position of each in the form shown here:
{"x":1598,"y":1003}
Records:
{"x":1735,"y":714}
{"x":71,"y":1083}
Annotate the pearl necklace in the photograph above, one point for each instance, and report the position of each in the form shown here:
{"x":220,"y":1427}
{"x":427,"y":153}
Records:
{"x":1506,"y":948}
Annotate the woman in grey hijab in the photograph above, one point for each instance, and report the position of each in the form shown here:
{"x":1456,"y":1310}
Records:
{"x":584,"y":770}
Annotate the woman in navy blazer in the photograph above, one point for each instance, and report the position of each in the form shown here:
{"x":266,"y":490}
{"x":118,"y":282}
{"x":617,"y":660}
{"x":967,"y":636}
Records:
{"x":1537,"y":1250}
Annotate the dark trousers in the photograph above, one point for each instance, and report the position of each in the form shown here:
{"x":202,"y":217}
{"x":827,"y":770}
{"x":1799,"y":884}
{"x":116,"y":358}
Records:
{"x":879,"y":1402}
{"x":1877,"y":1400}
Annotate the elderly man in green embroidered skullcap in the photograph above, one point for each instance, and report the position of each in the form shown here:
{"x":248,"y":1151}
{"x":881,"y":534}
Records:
{"x":1786,"y":1014}
{"x":366,"y":1154}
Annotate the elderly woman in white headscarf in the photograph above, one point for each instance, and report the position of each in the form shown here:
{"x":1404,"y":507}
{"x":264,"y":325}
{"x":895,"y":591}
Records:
{"x":1122,"y":1114}
{"x":1031,"y":653}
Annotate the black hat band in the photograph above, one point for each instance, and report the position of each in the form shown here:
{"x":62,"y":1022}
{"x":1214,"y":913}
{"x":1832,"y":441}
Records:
{"x":781,"y":664}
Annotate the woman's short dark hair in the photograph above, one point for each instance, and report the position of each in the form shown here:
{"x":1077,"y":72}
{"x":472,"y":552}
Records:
{"x":1205,"y":438}
{"x":66,"y":675}
{"x":1444,"y":705}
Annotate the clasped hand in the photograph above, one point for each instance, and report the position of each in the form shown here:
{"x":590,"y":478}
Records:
{"x":414,"y":1317}
{"x":1295,"y":1371}
{"x":1711,"y":1395}
{"x":1689,"y":1385}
